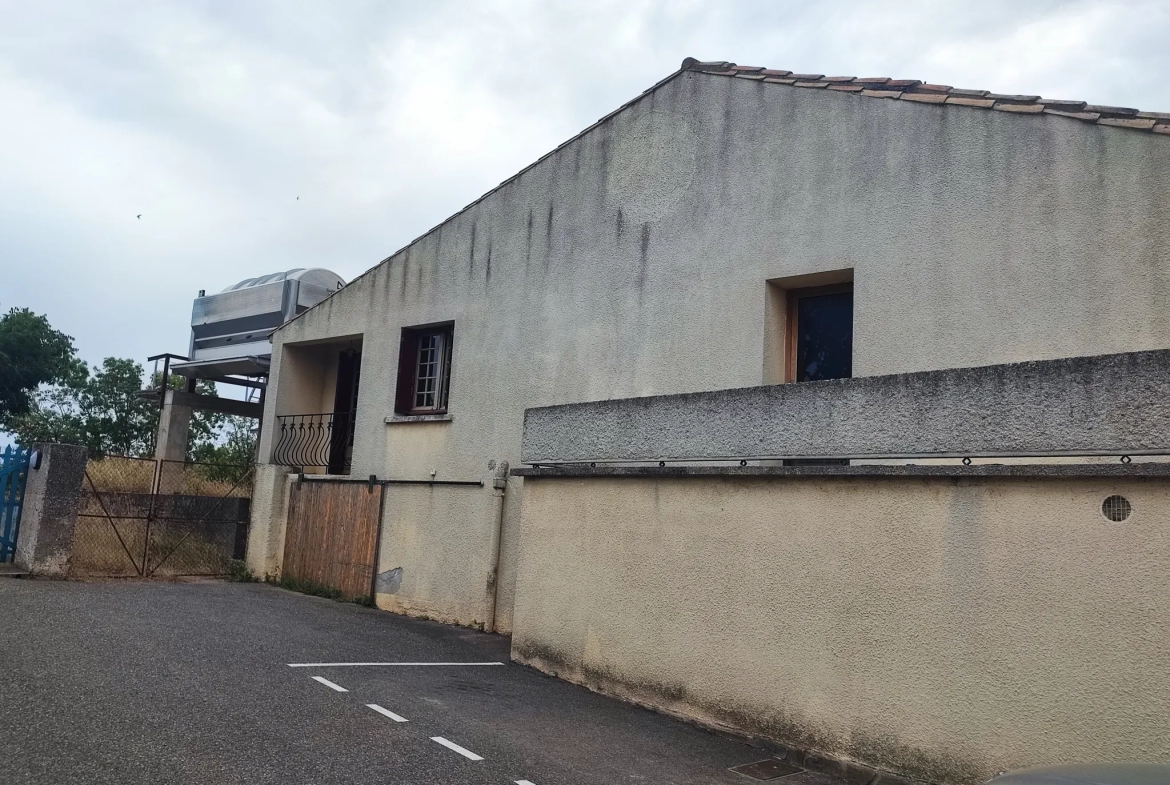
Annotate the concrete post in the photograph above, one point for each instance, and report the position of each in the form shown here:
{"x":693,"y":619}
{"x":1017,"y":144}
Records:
{"x":52,"y":499}
{"x":270,"y":495}
{"x":174,"y":423}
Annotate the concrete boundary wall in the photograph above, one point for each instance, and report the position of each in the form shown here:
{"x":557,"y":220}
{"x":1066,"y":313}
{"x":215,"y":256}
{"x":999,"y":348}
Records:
{"x":939,"y":629}
{"x":52,"y":498}
{"x":1106,"y":404}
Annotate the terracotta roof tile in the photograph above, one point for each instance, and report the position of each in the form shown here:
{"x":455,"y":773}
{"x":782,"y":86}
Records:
{"x":916,"y":91}
{"x":1014,"y":99}
{"x":1088,"y":116}
{"x":925,"y":98}
{"x":962,"y":100}
{"x":1063,"y":106}
{"x":1020,"y":108}
{"x":1128,"y":122}
{"x":1117,"y":111}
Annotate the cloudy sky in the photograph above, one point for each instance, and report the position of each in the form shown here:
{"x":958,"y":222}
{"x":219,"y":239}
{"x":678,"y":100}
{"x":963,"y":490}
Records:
{"x":210,"y":118}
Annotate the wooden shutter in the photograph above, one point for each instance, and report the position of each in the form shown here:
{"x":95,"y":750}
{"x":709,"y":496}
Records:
{"x":407,"y":367}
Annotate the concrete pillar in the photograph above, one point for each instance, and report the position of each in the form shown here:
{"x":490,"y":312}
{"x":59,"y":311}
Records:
{"x":52,"y":499}
{"x":174,"y":423}
{"x":270,"y":494}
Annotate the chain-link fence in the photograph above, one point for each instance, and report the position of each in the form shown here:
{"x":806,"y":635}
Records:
{"x":144,"y":517}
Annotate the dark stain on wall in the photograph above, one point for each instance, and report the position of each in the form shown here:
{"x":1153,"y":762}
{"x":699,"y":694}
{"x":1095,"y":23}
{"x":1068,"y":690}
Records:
{"x":488,"y":273}
{"x":644,"y":257}
{"x":528,"y":243}
{"x":864,"y":757}
{"x":621,"y":227}
{"x":471,"y":266}
{"x":405,"y":270}
{"x":548,"y":237}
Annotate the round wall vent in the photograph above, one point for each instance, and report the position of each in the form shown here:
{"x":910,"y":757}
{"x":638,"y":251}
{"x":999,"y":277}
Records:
{"x":1116,"y":508}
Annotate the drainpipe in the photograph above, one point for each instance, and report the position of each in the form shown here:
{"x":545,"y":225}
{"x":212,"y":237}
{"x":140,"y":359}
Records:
{"x":500,"y":484}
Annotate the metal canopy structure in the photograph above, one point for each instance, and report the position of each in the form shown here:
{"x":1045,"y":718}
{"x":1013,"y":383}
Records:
{"x":230,"y":344}
{"x":230,"y":329}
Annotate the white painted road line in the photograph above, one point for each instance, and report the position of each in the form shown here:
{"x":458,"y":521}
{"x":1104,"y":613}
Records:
{"x":524,"y":782}
{"x":456,"y":748}
{"x":330,"y":684}
{"x":375,"y":664}
{"x":386,"y":712}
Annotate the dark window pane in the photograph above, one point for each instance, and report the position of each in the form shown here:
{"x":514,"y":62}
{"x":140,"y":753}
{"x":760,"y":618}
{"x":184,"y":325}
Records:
{"x":824,"y":348}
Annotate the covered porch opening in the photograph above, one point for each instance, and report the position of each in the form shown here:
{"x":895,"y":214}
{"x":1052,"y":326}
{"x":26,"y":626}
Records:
{"x":317,"y":405}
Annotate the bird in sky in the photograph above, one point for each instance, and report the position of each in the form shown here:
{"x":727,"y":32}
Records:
{"x":140,"y":216}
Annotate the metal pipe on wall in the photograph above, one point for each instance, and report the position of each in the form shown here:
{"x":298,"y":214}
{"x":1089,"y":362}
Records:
{"x":500,"y":484}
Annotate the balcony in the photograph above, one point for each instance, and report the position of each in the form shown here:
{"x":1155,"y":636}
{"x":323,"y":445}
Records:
{"x":315,"y":441}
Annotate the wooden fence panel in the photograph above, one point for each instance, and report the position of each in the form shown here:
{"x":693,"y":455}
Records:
{"x":332,"y":535}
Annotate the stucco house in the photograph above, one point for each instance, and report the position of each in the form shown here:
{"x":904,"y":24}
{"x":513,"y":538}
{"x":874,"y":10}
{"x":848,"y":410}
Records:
{"x":730,"y":227}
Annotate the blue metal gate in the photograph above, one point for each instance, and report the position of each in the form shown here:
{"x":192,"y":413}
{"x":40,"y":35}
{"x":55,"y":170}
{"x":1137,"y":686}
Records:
{"x":13,"y":473}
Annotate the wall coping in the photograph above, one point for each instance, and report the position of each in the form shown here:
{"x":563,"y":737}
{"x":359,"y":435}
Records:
{"x":1116,"y":404}
{"x":1024,"y":470}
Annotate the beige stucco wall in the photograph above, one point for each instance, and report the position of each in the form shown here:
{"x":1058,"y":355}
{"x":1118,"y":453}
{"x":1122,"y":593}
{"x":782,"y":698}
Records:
{"x":945,"y":629}
{"x":634,"y":261}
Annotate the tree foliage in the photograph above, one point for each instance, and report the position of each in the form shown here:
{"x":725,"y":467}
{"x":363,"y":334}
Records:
{"x":32,"y":353}
{"x":47,"y":394}
{"x":105,"y":410}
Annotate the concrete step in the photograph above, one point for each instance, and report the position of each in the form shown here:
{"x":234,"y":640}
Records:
{"x":12,"y":571}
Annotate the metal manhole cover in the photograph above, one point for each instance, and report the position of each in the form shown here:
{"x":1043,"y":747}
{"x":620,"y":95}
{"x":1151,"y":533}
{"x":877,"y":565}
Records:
{"x":767,"y":769}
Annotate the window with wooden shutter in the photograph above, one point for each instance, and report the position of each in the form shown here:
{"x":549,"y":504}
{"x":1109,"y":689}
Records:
{"x":424,"y":369}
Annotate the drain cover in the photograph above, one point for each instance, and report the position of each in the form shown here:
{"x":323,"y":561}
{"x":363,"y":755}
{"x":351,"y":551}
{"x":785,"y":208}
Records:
{"x":767,"y":769}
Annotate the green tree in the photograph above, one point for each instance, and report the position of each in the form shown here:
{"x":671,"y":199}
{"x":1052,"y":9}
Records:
{"x":105,"y":410}
{"x":32,"y":353}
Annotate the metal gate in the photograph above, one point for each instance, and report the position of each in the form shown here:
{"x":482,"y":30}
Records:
{"x":331,"y":539}
{"x":142,"y":517}
{"x":14,"y":463}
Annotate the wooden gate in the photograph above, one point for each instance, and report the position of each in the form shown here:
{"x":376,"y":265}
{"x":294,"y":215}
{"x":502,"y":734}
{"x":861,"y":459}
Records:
{"x":331,"y":538}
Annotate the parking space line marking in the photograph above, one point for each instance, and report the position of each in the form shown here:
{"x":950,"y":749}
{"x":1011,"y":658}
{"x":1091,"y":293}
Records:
{"x":524,"y":782}
{"x":386,"y":712}
{"x":456,"y":748}
{"x":330,"y":684}
{"x":369,"y":664}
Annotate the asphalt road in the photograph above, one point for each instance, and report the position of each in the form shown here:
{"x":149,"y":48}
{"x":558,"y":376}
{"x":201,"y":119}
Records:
{"x":127,"y":682}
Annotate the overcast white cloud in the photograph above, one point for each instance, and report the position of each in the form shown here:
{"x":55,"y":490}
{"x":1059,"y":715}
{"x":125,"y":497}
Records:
{"x":209,"y":119}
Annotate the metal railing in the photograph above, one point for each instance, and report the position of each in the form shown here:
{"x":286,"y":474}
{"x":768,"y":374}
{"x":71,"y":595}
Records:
{"x":314,"y":440}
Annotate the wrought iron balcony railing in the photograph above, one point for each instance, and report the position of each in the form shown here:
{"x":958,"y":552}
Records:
{"x":314,"y":440}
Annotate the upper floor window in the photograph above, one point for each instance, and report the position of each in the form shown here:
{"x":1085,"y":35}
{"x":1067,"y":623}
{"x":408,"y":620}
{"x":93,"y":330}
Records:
{"x":424,"y":369}
{"x":820,"y":329}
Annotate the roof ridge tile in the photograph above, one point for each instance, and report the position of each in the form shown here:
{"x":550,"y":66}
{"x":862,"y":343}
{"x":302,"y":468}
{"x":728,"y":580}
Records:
{"x":917,"y":91}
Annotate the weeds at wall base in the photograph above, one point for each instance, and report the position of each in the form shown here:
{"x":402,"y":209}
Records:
{"x":240,"y":572}
{"x":315,"y":589}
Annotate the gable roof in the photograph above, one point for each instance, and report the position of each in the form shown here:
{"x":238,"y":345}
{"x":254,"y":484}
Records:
{"x":944,"y":95}
{"x":872,"y":87}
